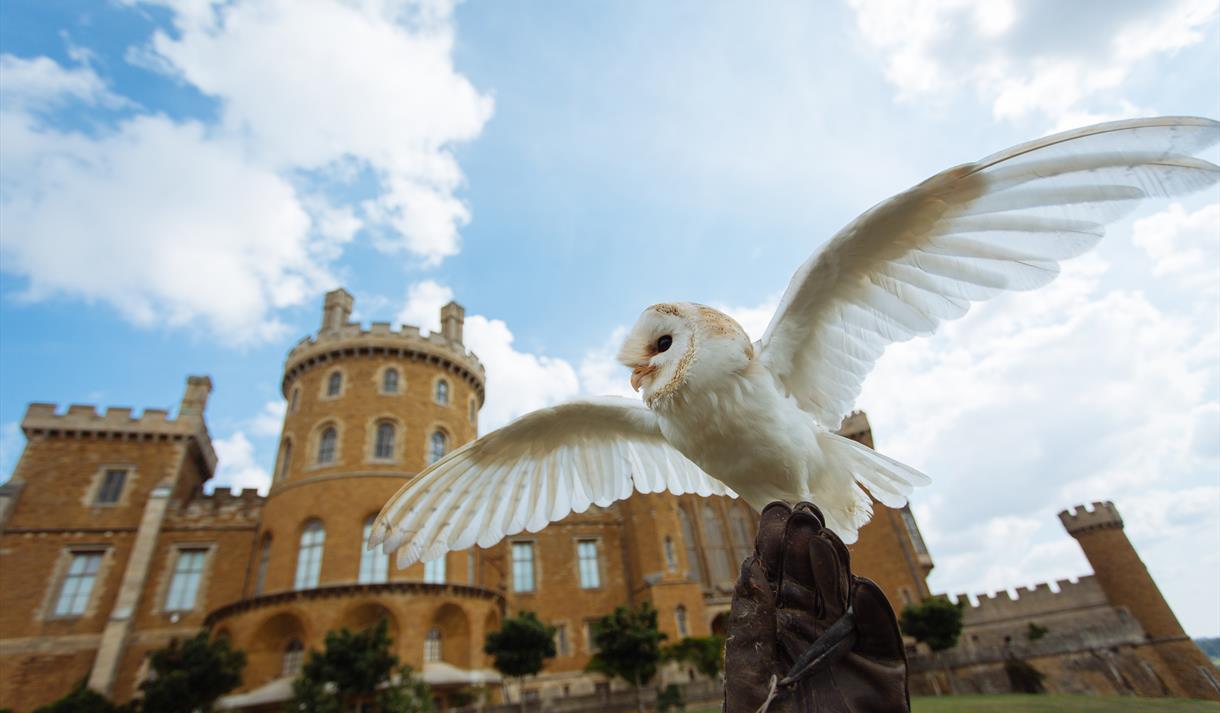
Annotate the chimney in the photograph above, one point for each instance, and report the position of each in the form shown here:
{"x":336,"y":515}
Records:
{"x":336,"y":310}
{"x":452,"y":316}
{"x":195,"y":398}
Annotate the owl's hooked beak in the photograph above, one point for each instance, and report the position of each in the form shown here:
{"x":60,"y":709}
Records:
{"x":639,"y":372}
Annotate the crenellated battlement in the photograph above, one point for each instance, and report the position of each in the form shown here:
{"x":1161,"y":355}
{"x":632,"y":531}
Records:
{"x":87,"y":417}
{"x":340,"y":338}
{"x":43,"y":419}
{"x":405,"y":333}
{"x":223,"y":504}
{"x":1039,"y":600}
{"x":1097,"y":516}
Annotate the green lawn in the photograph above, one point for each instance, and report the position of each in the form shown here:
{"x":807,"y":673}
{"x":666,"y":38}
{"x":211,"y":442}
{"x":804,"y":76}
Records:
{"x":1049,"y":704}
{"x":1058,"y":704}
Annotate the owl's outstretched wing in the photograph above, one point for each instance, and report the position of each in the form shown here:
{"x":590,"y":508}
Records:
{"x":966,"y":235}
{"x":534,"y":471}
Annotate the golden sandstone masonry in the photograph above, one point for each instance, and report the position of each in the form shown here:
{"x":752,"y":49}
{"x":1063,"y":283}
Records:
{"x":110,"y":547}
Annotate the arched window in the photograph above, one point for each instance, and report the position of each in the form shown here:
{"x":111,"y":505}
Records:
{"x":285,"y":460}
{"x":439,"y":445}
{"x":334,"y":384}
{"x":383,"y":448}
{"x":309,"y":556}
{"x":326,"y":445}
{"x":295,"y":399}
{"x":692,"y":550}
{"x":264,"y":559}
{"x":389,"y":381}
{"x":474,"y":410}
{"x":680,"y":617}
{"x":294,"y":656}
{"x":715,"y":547}
{"x":374,"y":564}
{"x":442,"y":392}
{"x":671,"y":556}
{"x":432,"y":646}
{"x":743,"y":544}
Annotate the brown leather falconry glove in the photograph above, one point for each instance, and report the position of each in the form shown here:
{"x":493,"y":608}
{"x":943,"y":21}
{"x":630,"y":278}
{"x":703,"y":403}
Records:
{"x":805,"y":634}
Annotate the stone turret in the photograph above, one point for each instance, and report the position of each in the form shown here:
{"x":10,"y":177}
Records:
{"x":369,"y":407}
{"x":336,"y":310}
{"x":195,"y":398}
{"x":1126,"y":582}
{"x":452,"y":317}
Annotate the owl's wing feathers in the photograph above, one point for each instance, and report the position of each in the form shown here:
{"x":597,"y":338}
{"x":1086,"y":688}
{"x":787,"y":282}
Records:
{"x":966,"y":235}
{"x":536,"y":470}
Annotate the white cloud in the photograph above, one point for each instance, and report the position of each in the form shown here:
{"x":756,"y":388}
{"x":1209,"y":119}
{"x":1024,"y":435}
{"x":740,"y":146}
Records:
{"x":236,"y":466}
{"x":600,"y":372}
{"x":517,"y":381}
{"x":41,"y":83}
{"x":159,"y":220}
{"x":313,"y":84}
{"x":10,"y":448}
{"x":1182,"y":245}
{"x":179,"y":221}
{"x":423,"y":306}
{"x":270,"y":420}
{"x":1065,"y":61}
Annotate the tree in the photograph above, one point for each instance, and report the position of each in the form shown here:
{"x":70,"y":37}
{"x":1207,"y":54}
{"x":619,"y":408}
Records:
{"x":190,"y":675}
{"x":355,"y":668}
{"x":705,"y":653}
{"x":936,"y":622}
{"x":520,"y":648}
{"x":83,"y":699}
{"x":628,"y":646}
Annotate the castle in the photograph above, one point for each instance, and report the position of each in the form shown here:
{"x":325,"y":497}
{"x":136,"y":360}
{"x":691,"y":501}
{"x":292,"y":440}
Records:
{"x":110,"y":547}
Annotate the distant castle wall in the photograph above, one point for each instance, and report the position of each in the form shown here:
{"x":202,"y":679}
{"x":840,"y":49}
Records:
{"x":1108,"y":633}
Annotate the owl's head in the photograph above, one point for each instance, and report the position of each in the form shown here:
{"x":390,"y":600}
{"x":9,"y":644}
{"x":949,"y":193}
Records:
{"x":675,"y":344}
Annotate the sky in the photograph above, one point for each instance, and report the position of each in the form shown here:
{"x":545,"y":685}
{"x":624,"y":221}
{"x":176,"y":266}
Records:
{"x":182,"y":180}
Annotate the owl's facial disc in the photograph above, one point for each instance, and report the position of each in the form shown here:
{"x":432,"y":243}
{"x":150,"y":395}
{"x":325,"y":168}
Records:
{"x":653,"y":347}
{"x":640,"y":371}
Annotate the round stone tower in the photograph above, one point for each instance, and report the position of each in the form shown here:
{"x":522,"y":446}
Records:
{"x":367,"y":408}
{"x":1126,"y":581}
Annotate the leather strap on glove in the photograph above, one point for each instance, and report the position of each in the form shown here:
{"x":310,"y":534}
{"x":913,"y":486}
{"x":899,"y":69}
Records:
{"x":805,"y":634}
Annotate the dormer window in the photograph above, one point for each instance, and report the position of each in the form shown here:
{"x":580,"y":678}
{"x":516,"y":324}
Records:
{"x":334,"y":384}
{"x":389,"y":381}
{"x":442,"y":392}
{"x":112,"y":487}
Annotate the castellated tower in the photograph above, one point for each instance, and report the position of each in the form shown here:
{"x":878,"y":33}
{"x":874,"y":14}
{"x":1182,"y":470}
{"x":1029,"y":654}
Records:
{"x":367,"y":409}
{"x":1127,"y":583}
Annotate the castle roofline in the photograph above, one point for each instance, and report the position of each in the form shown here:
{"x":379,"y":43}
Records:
{"x":1098,"y":515}
{"x":856,"y":422}
{"x":119,"y":422}
{"x":406,"y":341}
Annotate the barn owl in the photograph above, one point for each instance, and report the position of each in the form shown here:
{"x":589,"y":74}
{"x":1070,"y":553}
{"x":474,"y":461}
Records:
{"x":722,"y":415}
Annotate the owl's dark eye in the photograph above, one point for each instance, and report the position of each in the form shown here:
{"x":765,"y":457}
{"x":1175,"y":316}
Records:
{"x":664,"y":343}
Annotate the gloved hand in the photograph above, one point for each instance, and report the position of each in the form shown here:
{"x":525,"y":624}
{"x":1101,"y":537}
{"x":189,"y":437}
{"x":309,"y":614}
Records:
{"x":804,"y":634}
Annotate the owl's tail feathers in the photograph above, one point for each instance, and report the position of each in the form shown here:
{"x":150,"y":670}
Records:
{"x":887,"y":480}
